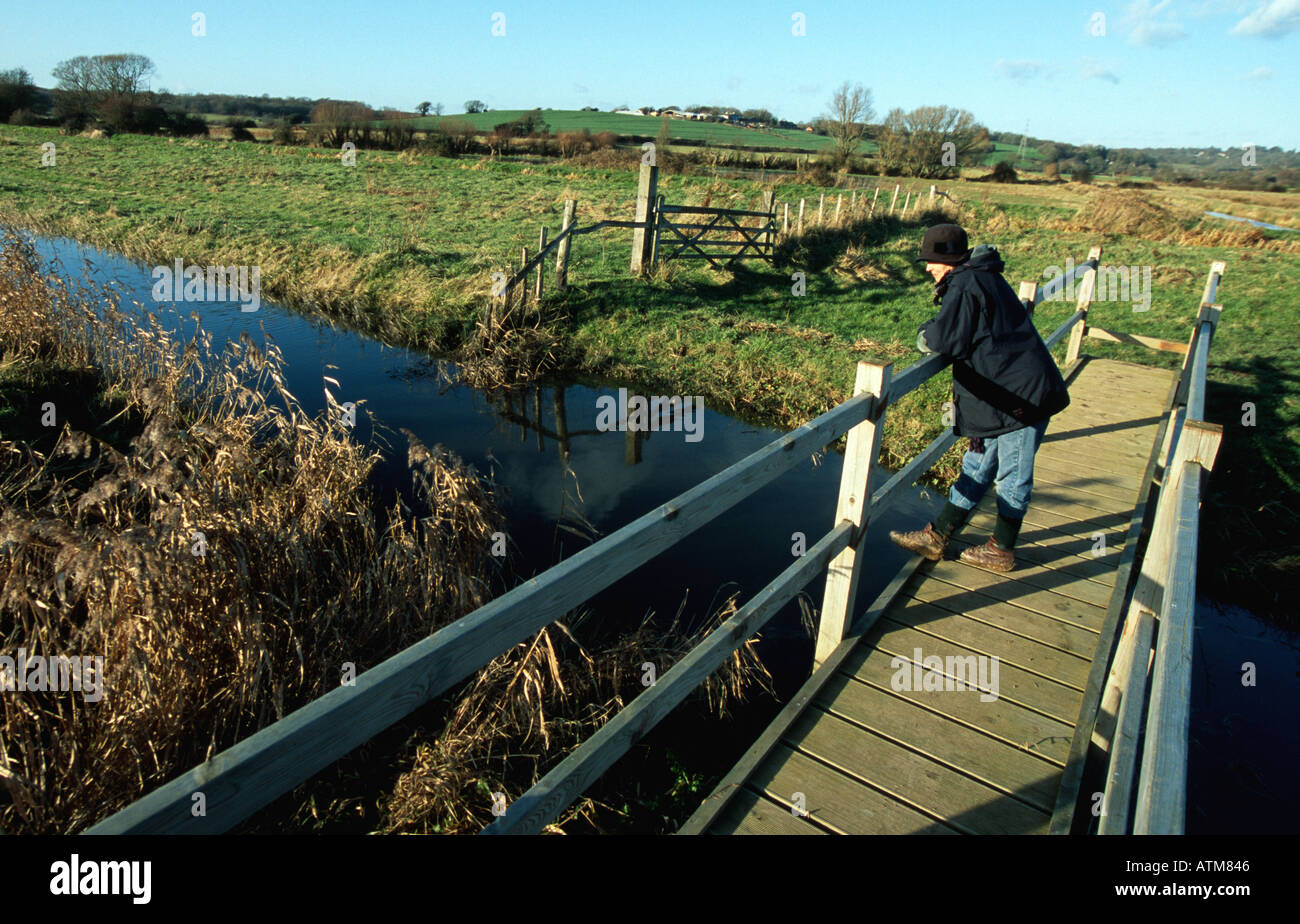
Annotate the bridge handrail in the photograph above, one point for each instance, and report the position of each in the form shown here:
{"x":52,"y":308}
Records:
{"x":1146,"y":779}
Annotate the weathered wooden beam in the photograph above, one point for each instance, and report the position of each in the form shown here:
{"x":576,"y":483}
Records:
{"x":1162,"y":783}
{"x":1117,"y":795}
{"x":1064,"y":813}
{"x":854,"y":505}
{"x":1028,"y":294}
{"x":541,"y":266}
{"x":646,"y":190}
{"x":565,"y":239}
{"x":1086,"y":291}
{"x":1154,"y":343}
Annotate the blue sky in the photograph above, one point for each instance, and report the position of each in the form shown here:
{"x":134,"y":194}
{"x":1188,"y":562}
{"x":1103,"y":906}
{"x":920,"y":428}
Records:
{"x":1199,"y":72}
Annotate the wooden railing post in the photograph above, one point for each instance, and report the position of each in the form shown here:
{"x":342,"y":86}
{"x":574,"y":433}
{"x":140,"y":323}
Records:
{"x":647,"y":187}
{"x":541,"y":266}
{"x":562,"y":253}
{"x":854,"y":505}
{"x":769,"y":206}
{"x":1028,"y":295}
{"x":1086,"y":291}
{"x":523,"y":282}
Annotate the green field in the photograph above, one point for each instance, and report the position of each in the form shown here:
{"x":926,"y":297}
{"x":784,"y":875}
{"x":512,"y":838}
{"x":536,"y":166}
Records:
{"x":405,"y":245}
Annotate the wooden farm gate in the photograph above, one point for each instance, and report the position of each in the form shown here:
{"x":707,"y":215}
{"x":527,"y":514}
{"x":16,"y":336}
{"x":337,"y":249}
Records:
{"x":701,"y":232}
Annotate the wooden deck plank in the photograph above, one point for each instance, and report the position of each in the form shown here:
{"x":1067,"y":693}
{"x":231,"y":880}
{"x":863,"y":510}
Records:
{"x":1027,"y":776}
{"x":840,"y":802}
{"x":1080,"y":484}
{"x":1007,"y":721}
{"x":750,"y":813}
{"x":912,"y":779}
{"x":1012,"y":684}
{"x":1004,"y":587}
{"x":1024,"y":653}
{"x":1056,"y":580}
{"x":1075,"y":640}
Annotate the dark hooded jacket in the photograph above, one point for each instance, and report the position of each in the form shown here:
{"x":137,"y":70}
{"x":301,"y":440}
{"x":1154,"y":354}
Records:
{"x":1004,"y":378}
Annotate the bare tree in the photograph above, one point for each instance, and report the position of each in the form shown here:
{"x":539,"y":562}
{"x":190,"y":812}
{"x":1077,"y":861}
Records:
{"x":423,"y":108}
{"x":125,"y":75}
{"x":87,"y":83}
{"x":930,"y":141}
{"x":851,"y":110}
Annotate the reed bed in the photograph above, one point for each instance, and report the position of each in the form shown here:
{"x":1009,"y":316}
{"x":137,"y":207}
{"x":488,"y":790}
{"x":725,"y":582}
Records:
{"x":215,"y":544}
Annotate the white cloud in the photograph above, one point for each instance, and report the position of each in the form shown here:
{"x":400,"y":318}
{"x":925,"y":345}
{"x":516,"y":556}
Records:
{"x":1017,"y":71}
{"x":1259,"y":73}
{"x":1149,"y":24}
{"x":1094,"y":71}
{"x":1271,"y":19}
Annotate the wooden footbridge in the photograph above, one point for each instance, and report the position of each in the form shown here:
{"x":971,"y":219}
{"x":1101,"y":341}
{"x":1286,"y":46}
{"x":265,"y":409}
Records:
{"x":1051,"y":699}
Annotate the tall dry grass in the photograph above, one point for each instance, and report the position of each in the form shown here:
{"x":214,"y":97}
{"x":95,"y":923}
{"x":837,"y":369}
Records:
{"x":538,"y":701}
{"x":302,"y":569}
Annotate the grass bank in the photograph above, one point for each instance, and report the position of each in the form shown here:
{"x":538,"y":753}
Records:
{"x":404,"y":246}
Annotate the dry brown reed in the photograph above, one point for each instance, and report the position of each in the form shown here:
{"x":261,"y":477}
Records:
{"x":538,"y":701}
{"x":300,"y":569}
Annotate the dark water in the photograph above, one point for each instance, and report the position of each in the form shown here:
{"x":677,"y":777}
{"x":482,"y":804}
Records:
{"x":612,"y":478}
{"x":1243,"y":749}
{"x":1249,"y":221}
{"x":1245,"y":736}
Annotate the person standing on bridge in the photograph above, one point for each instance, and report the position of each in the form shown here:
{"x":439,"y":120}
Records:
{"x":1005,"y":385}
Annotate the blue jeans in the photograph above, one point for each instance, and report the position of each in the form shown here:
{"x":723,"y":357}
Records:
{"x":1008,"y":462}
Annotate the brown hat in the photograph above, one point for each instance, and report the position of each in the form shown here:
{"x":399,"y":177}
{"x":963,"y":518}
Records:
{"x":944,"y":244}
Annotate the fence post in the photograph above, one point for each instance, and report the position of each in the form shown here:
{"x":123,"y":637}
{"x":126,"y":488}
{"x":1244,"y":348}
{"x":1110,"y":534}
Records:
{"x":541,"y":263}
{"x":893,"y":202}
{"x":785,"y":228}
{"x":1028,"y":293}
{"x":906,"y":203}
{"x":821,"y":209}
{"x":854,"y":504}
{"x":838,"y":202}
{"x":932,"y":194}
{"x":1085,"y":298}
{"x":646,"y":190}
{"x":873,"y":202}
{"x":523,"y":279}
{"x":562,"y":253}
{"x":801,"y":201}
{"x":768,"y":237}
